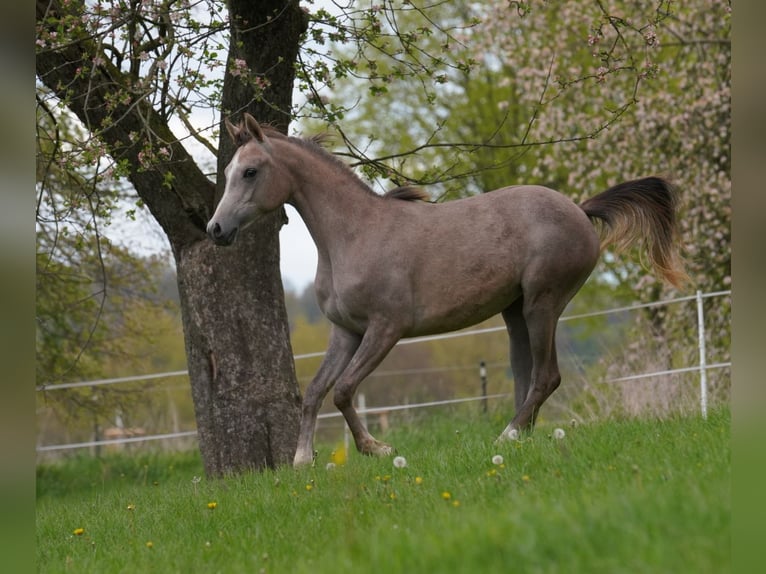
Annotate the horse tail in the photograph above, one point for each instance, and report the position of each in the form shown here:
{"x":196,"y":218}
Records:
{"x":641,"y":211}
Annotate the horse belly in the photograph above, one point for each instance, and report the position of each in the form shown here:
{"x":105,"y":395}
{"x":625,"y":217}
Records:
{"x":458,"y":300}
{"x":458,"y":317}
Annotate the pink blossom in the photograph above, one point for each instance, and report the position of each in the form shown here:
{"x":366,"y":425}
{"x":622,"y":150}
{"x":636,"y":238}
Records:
{"x":239,"y":68}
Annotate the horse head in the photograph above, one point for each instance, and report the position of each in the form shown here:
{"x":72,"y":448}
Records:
{"x":252,"y":190}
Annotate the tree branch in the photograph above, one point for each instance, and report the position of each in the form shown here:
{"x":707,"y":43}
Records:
{"x":106,"y":101}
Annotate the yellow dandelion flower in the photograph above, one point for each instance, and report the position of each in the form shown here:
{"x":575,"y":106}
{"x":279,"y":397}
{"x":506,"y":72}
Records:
{"x":525,"y":478}
{"x":212,"y":505}
{"x":149,"y":544}
{"x":309,"y":487}
{"x":446,"y":495}
{"x":418,"y":480}
{"x":455,"y":503}
{"x":78,"y":531}
{"x":392,"y":496}
{"x":131,"y":507}
{"x":339,"y":455}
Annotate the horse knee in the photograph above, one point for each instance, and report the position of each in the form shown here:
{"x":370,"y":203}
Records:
{"x":314,"y":396}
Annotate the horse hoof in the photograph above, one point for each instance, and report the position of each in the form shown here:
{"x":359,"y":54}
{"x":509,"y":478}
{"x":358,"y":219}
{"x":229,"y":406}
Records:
{"x":303,"y":459}
{"x":377,"y":448}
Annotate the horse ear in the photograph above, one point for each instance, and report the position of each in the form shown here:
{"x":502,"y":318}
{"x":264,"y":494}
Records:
{"x":233,"y":130}
{"x":252,"y":126}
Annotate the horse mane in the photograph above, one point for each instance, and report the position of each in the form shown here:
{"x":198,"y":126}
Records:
{"x":408,"y":193}
{"x":315,"y":144}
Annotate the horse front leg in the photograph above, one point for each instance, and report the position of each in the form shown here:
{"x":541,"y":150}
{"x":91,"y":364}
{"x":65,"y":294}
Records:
{"x":376,"y":343}
{"x":343,"y":345}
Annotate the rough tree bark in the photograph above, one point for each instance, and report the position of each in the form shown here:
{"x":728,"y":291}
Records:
{"x":246,"y":398}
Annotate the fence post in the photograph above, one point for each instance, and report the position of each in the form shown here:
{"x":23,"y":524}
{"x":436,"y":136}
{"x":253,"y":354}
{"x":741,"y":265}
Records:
{"x":483,"y":377}
{"x":703,"y":359}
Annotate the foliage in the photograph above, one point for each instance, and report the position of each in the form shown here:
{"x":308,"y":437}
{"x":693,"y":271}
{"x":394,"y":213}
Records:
{"x":614,"y":496}
{"x":98,"y":312}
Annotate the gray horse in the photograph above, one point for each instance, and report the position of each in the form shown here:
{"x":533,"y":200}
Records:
{"x":394,"y":266}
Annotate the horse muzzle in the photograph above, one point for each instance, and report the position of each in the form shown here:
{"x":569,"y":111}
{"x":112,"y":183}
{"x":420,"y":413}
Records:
{"x":217,"y":234}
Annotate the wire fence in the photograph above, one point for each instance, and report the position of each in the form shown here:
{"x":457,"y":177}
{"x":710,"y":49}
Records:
{"x":702,"y":367}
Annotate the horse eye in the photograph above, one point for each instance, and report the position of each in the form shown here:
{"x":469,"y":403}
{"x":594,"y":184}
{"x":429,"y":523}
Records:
{"x":250,"y":172}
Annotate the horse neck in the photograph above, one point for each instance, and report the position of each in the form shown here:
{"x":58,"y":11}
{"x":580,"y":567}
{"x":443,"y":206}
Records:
{"x":334,"y":204}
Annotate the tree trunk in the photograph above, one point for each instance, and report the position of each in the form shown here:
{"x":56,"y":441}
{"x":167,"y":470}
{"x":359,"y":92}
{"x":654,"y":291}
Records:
{"x":246,"y":397}
{"x":238,"y":350}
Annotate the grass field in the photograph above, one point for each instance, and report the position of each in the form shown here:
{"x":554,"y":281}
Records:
{"x":632,"y":496}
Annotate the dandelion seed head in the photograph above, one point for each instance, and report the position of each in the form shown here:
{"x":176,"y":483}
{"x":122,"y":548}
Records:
{"x":513,"y":434}
{"x":330,"y":466}
{"x":400,"y":462}
{"x":558,"y":434}
{"x":497,"y":459}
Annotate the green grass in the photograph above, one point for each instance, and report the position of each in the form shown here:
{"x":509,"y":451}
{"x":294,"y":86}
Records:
{"x":619,"y":496}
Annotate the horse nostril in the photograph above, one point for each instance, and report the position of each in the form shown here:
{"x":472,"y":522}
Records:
{"x":220,"y":235}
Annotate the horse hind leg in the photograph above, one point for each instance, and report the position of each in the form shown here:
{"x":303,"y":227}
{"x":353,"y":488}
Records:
{"x":521,"y":356}
{"x":375,"y":345}
{"x":535,"y":342}
{"x":342,"y":347}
